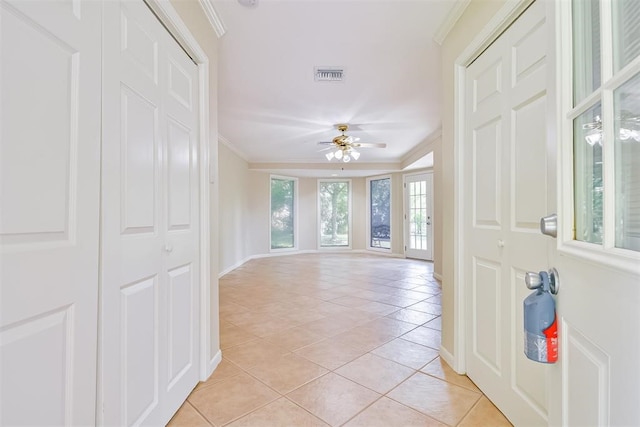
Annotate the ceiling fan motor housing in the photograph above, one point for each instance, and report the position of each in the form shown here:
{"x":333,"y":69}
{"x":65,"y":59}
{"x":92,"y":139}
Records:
{"x":340,"y":141}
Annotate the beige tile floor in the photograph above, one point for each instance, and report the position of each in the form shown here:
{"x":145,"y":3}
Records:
{"x":333,"y":339}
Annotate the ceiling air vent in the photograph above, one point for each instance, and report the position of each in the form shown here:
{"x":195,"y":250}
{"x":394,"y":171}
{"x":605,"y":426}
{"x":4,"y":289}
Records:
{"x":328,"y":74}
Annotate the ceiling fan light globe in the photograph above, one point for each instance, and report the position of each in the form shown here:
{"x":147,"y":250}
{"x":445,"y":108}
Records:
{"x":329,"y":155}
{"x":355,"y":154}
{"x":338,"y":154}
{"x":346,"y":158}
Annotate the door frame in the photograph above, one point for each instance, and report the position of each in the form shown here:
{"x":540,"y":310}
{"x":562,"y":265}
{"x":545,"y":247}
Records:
{"x":505,"y":16}
{"x":174,"y":24}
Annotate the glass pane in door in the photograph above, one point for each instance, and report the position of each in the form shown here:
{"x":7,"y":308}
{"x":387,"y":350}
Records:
{"x":587,"y":151}
{"x":418,"y":215}
{"x":586,"y":48}
{"x":626,"y":32}
{"x":627,"y":164}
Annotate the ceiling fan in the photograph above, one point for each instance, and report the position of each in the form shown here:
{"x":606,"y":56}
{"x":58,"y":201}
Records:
{"x":345,"y":146}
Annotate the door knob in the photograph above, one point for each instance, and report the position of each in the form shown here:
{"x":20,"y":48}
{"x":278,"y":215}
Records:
{"x":168,"y":248}
{"x":549,"y":225}
{"x":534,"y":280}
{"x":500,"y":243}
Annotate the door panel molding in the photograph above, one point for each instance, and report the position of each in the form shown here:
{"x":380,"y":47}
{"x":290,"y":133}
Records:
{"x":177,"y":84}
{"x":500,"y":196}
{"x":498,"y":24}
{"x":591,"y":389}
{"x":210,"y":355}
{"x":49,"y":230}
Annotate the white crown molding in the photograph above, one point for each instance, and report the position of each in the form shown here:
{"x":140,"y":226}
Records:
{"x":233,"y":148}
{"x":454,"y":14}
{"x":422,"y":149}
{"x":324,"y":165}
{"x":213,"y":17}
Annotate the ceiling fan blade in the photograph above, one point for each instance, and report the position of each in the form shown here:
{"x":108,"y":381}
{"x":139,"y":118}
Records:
{"x":370,"y":145}
{"x":326,"y":143}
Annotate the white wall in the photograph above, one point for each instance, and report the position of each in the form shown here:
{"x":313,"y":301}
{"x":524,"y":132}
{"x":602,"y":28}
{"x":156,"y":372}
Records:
{"x":259,"y":194}
{"x":259,"y":215}
{"x":358,"y":213}
{"x":397,"y":213}
{"x":244,"y":212}
{"x":438,"y":195}
{"x":232,"y":219}
{"x":307,"y":213}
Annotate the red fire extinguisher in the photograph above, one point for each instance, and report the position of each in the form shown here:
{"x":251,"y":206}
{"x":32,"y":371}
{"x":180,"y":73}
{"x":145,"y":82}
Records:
{"x":540,"y":321}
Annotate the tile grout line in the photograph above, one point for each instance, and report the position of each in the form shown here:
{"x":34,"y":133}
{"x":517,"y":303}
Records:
{"x":280,"y":395}
{"x":380,"y":315}
{"x":475,"y":404}
{"x":200,"y":413}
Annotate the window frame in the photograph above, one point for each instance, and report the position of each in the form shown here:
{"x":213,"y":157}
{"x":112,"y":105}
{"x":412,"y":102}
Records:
{"x":350,"y":215}
{"x":368,"y":221}
{"x":606,"y":253}
{"x":295,"y":213}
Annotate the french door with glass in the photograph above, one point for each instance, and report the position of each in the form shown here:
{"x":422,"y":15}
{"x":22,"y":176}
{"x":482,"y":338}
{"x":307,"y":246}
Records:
{"x":418,"y":216}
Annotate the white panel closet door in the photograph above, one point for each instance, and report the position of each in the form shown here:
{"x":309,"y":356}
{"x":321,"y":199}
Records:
{"x":507,"y":189}
{"x":49,"y":214}
{"x":150,"y":219}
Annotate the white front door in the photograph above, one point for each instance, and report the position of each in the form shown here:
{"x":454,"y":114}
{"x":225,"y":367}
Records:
{"x":418,"y":216}
{"x":150,"y":293}
{"x":506,"y":191}
{"x":49,"y":214}
{"x":509,"y":153}
{"x":597,"y":378}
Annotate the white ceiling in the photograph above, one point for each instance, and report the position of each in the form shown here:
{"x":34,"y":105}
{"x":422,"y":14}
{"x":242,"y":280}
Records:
{"x":272,"y":111}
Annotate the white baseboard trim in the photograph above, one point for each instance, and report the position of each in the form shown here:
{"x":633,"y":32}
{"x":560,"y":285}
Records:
{"x":272,"y":254}
{"x":448,"y":357}
{"x":376,"y":252}
{"x":213,"y":364}
{"x":284,"y":253}
{"x":305,"y":251}
{"x":233,"y":267}
{"x":437,"y":276}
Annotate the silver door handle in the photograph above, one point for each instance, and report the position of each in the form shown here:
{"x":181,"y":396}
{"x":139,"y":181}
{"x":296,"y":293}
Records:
{"x":549,"y":225}
{"x":168,"y":248}
{"x":534,"y":280}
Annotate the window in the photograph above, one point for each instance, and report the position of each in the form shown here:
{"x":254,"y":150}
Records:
{"x":379,"y":194}
{"x":606,"y":122}
{"x":283,"y":199}
{"x":334,"y":206}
